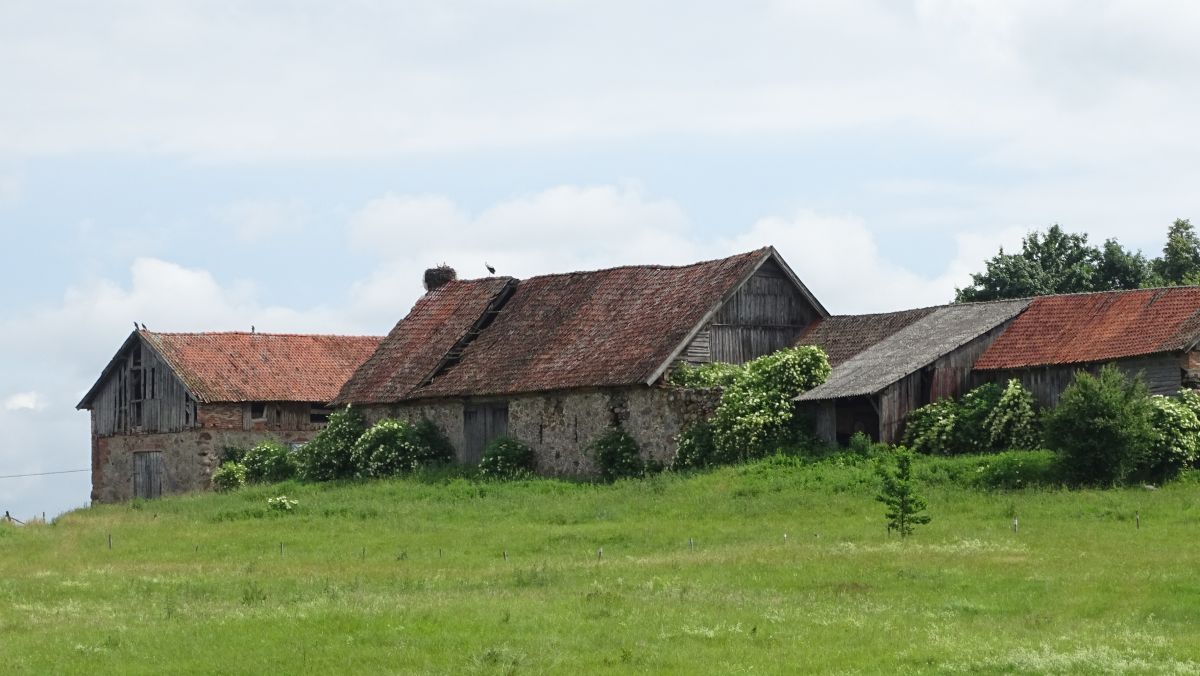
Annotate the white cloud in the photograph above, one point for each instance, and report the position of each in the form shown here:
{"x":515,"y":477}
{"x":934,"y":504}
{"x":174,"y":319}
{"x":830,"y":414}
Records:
{"x":255,"y":220}
{"x":12,"y":187}
{"x":24,"y":401}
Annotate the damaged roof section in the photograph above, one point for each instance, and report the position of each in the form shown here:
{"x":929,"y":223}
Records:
{"x":1097,"y":327}
{"x":917,"y":345}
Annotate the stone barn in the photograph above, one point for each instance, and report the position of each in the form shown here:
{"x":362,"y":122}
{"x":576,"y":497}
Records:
{"x":554,"y":361}
{"x":167,"y":404}
{"x":887,"y":365}
{"x":1148,"y":332}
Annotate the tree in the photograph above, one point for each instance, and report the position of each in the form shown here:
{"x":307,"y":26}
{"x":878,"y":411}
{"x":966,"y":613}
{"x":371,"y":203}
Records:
{"x":1118,"y":268}
{"x":1053,"y":262}
{"x":1180,"y":262}
{"x":898,"y":494}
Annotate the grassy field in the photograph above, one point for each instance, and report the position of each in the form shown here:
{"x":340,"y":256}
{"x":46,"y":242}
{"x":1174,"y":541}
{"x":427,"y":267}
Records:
{"x":774,"y":567}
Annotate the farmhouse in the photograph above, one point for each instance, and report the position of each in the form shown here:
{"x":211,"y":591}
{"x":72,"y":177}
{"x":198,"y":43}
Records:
{"x":557,"y":360}
{"x":167,"y":404}
{"x":887,"y":365}
{"x":1152,"y":332}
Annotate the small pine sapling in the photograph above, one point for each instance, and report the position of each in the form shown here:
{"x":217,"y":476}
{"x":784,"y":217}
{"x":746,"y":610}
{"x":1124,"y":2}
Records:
{"x":897,"y":492}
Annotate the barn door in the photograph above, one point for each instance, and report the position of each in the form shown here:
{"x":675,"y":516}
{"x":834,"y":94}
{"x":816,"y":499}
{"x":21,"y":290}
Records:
{"x":481,"y":424}
{"x":147,"y":474}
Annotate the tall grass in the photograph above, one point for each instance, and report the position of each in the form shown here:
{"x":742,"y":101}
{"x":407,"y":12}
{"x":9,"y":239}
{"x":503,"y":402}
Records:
{"x":789,"y":568}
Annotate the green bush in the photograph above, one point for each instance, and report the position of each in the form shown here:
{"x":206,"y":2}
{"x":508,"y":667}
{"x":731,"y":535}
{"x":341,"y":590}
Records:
{"x":230,"y":476}
{"x":1012,"y":423}
{"x":756,"y":414}
{"x":1019,"y":469}
{"x":269,"y":462}
{"x":392,"y":447}
{"x":714,"y":374}
{"x":506,"y":458}
{"x":697,"y":448}
{"x":429,"y":435}
{"x":617,"y":455}
{"x":1176,"y":441}
{"x":329,"y":455}
{"x":232,"y":454}
{"x":1103,"y":427}
{"x":932,"y":429}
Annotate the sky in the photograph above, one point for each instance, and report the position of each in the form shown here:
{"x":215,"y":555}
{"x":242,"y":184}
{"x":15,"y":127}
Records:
{"x":204,"y":166}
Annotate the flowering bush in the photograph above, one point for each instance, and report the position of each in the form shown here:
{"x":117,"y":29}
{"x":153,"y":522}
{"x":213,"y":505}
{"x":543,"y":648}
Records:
{"x":1176,"y":440}
{"x":506,"y":458}
{"x":1012,"y":423}
{"x":328,"y":455}
{"x":617,"y":455}
{"x":269,"y":462}
{"x":931,"y":429}
{"x":281,"y":503}
{"x":715,"y":374}
{"x":229,"y":476}
{"x":756,"y":413}
{"x":392,"y":447}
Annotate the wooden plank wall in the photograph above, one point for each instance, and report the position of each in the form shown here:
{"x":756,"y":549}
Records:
{"x":950,"y":376}
{"x":767,"y":314}
{"x":165,"y":403}
{"x":1163,"y":374}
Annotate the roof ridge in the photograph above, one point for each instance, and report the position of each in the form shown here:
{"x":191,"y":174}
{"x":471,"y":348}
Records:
{"x":645,"y":266}
{"x":255,"y":333}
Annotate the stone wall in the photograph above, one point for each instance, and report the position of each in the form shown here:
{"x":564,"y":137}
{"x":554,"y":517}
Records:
{"x":558,"y":426}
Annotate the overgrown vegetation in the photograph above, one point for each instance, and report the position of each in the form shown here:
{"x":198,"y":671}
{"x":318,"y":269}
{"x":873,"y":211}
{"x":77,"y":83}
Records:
{"x":230,"y":476}
{"x":392,"y":447}
{"x":617,"y":455}
{"x":714,"y":374}
{"x":505,"y":459}
{"x":987,"y":419}
{"x":269,"y":462}
{"x":329,"y":455}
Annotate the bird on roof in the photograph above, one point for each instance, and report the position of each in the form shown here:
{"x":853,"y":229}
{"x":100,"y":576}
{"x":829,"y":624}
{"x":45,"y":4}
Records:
{"x":143,"y":326}
{"x":251,"y":328}
{"x":135,"y":326}
{"x":490,"y":269}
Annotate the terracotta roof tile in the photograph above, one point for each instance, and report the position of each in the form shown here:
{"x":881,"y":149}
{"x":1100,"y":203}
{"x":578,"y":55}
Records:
{"x":1097,"y":327}
{"x":581,"y":329}
{"x":230,"y":367}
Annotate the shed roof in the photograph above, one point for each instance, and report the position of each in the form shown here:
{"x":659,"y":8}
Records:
{"x":1097,"y":327}
{"x":238,"y":366}
{"x":843,"y":336}
{"x":912,"y":348}
{"x":620,"y":326}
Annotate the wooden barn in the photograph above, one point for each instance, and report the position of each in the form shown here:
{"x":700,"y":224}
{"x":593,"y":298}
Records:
{"x":887,"y":365}
{"x":168,"y":403}
{"x":555,"y":361}
{"x":1151,"y":332}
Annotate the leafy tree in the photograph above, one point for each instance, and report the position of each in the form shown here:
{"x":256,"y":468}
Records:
{"x":1118,"y":268}
{"x":1180,"y":262}
{"x":1053,"y":262}
{"x":898,"y":493}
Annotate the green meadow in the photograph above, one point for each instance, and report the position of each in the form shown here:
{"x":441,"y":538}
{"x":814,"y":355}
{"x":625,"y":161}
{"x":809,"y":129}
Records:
{"x":779,"y":566}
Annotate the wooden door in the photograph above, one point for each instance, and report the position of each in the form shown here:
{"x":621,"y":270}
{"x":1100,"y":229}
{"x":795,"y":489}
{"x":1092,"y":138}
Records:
{"x":147,"y":474}
{"x":481,"y":424}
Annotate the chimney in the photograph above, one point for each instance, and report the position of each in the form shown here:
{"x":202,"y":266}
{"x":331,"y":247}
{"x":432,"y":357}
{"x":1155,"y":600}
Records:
{"x":438,"y":277}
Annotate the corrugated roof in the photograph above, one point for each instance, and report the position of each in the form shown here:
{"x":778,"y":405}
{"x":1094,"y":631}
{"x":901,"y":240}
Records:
{"x":581,"y":329}
{"x":843,"y":336}
{"x":1098,"y":327}
{"x":417,"y":345}
{"x":912,"y":348}
{"x":237,"y":366}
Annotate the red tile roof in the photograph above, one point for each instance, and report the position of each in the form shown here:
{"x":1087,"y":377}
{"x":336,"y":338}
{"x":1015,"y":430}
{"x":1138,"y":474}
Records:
{"x":1097,"y":327}
{"x":581,"y":329}
{"x":844,"y":336}
{"x":408,"y":356}
{"x":231,"y":367}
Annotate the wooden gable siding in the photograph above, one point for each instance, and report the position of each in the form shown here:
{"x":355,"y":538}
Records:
{"x":951,"y":376}
{"x":142,"y":394}
{"x":1163,"y":374}
{"x":767,"y":314}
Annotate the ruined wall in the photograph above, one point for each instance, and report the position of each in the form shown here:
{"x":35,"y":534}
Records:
{"x":558,"y":426}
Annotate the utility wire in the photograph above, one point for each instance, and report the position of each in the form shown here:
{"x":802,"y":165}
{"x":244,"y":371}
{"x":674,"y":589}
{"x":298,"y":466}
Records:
{"x":65,"y":471}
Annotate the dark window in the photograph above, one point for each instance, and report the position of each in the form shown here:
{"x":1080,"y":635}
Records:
{"x":258,"y":411}
{"x":318,"y":415}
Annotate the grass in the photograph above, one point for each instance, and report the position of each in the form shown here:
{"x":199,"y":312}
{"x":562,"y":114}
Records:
{"x":411,"y":576}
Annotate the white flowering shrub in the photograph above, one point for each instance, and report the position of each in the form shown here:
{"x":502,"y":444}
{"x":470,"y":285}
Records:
{"x":328,"y":455}
{"x":506,"y":458}
{"x":230,"y":476}
{"x":1013,"y":424}
{"x":281,"y":503}
{"x":715,"y":374}
{"x":393,"y":447}
{"x":1176,"y":439}
{"x":756,"y":414}
{"x":931,"y":428}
